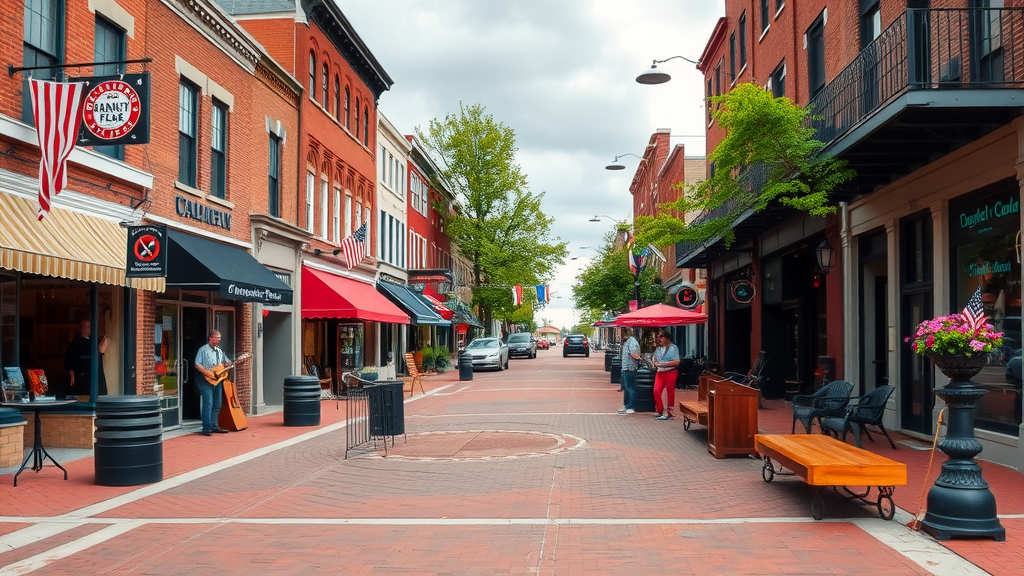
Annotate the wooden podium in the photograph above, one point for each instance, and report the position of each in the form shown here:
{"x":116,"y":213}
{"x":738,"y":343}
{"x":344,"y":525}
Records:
{"x":732,"y":418}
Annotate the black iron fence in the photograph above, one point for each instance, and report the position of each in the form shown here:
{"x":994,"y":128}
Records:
{"x":923,"y":49}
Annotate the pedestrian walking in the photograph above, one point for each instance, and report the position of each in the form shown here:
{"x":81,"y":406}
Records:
{"x":630,"y":355}
{"x":666,"y":359}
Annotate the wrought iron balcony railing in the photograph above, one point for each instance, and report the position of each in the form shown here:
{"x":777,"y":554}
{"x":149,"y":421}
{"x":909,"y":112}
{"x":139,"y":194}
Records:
{"x":923,"y":49}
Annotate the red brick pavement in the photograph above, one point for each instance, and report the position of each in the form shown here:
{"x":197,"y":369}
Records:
{"x":634,"y":499}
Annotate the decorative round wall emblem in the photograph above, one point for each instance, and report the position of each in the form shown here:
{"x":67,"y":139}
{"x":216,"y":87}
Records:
{"x":688,"y":297}
{"x":742,"y":291}
{"x":111,"y":109}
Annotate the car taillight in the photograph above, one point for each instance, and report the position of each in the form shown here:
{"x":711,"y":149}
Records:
{"x":585,"y":342}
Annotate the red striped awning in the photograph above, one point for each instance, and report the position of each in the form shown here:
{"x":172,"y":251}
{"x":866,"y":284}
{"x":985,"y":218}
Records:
{"x":445,"y":312}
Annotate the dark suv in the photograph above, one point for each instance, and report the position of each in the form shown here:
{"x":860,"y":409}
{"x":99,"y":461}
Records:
{"x":575,"y":344}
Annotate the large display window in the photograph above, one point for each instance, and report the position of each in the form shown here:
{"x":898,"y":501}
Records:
{"x":985,"y":251}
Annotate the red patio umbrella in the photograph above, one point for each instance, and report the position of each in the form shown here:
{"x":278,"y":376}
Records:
{"x":660,"y":315}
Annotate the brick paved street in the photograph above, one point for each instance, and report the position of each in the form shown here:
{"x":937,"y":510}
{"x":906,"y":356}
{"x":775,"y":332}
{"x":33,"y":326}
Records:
{"x":527,"y":471}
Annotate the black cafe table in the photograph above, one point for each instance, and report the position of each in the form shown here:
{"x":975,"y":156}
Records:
{"x":39,"y":453}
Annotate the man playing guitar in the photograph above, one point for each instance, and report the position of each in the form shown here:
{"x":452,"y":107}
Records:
{"x":209,"y":357}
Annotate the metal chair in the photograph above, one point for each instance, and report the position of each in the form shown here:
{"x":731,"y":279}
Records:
{"x":869,"y":410}
{"x":830,"y":401}
{"x":753,"y":375}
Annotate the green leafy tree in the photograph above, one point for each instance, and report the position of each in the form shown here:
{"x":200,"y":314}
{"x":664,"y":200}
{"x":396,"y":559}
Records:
{"x":607,"y":284}
{"x":769,"y":155}
{"x":502,"y":228}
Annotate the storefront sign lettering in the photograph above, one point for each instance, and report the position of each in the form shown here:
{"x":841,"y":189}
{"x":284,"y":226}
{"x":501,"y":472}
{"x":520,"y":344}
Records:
{"x":987,"y":268}
{"x":265,"y":295}
{"x":191,"y":209}
{"x":998,"y":209}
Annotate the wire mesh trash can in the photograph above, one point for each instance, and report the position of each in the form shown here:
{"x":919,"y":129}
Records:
{"x":301,"y":401}
{"x":465,"y":366}
{"x":387,"y":409}
{"x":129,"y":442}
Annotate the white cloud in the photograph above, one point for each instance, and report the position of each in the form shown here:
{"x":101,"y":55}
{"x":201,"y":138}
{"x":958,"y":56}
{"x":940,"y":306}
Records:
{"x":561,"y":74}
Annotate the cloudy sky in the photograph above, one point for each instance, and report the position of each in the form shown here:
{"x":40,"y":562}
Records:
{"x":561,"y":74}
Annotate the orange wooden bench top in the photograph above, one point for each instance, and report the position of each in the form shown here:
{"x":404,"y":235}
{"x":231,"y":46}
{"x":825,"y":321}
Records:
{"x":824,"y":461}
{"x":694,"y":406}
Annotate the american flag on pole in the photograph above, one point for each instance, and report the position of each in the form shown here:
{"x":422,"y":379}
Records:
{"x":353,"y":248}
{"x":974,"y":312}
{"x":55,"y":106}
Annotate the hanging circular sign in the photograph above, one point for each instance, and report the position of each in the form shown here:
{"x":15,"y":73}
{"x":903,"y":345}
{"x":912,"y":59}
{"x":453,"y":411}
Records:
{"x":111,"y":109}
{"x":688,"y":297}
{"x":147,"y":248}
{"x":742,"y":291}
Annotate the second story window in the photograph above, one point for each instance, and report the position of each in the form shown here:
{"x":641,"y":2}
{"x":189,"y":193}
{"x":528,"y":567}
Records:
{"x":337,"y":97}
{"x":110,"y":47}
{"x":324,"y":92}
{"x":366,"y":126}
{"x":732,"y":56}
{"x":816,"y":56}
{"x":766,"y":18}
{"x":219,"y":150}
{"x":357,"y":118}
{"x":188,"y":127}
{"x":43,"y":45}
{"x":870,"y":22}
{"x":743,"y":39}
{"x":274,"y":177}
{"x":777,"y":82}
{"x":312,"y":76}
{"x":348,"y":100}
{"x":310,"y":191}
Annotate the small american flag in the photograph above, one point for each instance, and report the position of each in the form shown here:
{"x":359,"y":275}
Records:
{"x":55,"y":106}
{"x":974,"y":312}
{"x":352,"y":247}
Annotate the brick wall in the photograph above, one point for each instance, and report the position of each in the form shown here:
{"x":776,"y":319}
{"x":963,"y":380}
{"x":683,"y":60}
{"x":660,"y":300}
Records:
{"x":12,"y":445}
{"x":64,"y":431}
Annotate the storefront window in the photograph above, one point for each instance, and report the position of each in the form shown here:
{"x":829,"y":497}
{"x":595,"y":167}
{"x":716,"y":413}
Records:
{"x":984,"y":240}
{"x":8,"y":320}
{"x":350,"y":346}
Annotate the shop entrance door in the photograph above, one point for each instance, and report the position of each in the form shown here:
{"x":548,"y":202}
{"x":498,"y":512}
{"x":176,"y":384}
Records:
{"x":194,"y":334}
{"x":169,"y":365}
{"x":874,"y":322}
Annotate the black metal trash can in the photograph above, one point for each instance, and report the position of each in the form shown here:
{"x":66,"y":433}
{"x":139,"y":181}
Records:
{"x":644,"y":401}
{"x":465,"y":366}
{"x":387,"y":408}
{"x":301,"y":401}
{"x":616,"y":370}
{"x":608,"y":355}
{"x":129,"y":442}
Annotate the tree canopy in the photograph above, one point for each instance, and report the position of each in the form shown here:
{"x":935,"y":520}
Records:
{"x":501,"y":226}
{"x":769,"y":154}
{"x":607,"y":284}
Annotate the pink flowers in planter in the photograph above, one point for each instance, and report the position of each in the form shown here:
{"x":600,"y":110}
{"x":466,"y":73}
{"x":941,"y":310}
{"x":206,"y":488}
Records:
{"x":952,"y":336}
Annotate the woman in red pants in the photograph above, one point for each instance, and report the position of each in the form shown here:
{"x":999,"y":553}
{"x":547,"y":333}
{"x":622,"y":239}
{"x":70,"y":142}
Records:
{"x":666,"y":360}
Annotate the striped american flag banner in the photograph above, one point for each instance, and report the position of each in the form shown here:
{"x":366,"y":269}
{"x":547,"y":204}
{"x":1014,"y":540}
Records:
{"x":974,"y":312}
{"x":56,"y":108}
{"x":353,"y":248}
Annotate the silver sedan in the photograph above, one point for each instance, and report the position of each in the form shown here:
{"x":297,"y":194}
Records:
{"x":489,"y":353}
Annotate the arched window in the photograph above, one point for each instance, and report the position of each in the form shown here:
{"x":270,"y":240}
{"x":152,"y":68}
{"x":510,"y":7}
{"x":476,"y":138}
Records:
{"x":323,"y":86}
{"x":366,"y":126}
{"x":337,"y":97}
{"x":357,"y":117}
{"x":348,"y":99}
{"x":312,"y":75}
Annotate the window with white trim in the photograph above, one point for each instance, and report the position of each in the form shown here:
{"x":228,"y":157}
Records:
{"x":336,"y":215}
{"x":310,"y":190}
{"x":322,"y":232}
{"x":348,"y":216}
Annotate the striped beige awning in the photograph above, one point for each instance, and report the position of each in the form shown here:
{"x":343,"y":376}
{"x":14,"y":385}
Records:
{"x":65,"y":244}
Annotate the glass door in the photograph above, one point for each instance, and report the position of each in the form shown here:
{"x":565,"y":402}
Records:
{"x":350,"y":347}
{"x":167,"y":365}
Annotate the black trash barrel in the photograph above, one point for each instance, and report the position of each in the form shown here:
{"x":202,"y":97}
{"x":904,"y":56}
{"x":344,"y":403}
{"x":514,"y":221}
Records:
{"x":608,"y":355}
{"x":644,"y":401}
{"x":129,"y":443}
{"x":616,"y":370}
{"x":387,"y":408}
{"x":465,"y":366}
{"x":301,"y":401}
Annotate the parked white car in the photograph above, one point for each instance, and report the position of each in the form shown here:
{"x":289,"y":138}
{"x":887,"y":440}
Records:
{"x":489,"y":353}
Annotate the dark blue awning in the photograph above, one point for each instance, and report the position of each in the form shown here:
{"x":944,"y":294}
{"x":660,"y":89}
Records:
{"x":419,"y":311}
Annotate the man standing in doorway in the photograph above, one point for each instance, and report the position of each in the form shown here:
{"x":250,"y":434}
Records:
{"x":78,"y":362}
{"x":208,"y":357}
{"x":630,"y":355}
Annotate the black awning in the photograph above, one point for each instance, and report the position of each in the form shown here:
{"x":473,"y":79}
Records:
{"x":418,"y":310}
{"x":463,"y":313}
{"x":196,"y":263}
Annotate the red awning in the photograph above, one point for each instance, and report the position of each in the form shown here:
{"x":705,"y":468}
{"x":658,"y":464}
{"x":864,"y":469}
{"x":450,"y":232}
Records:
{"x":440,"y":308}
{"x":326,"y":295}
{"x":660,"y":315}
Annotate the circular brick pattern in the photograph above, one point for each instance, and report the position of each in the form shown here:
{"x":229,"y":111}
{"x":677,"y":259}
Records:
{"x":464,"y":445}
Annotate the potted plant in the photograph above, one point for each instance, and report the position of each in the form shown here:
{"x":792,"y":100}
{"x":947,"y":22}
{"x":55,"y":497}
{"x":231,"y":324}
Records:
{"x":368,"y":373}
{"x":442,"y":360}
{"x":428,"y":364}
{"x":958,"y":347}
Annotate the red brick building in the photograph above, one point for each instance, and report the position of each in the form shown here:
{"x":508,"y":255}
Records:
{"x":920,"y":99}
{"x":217,"y":104}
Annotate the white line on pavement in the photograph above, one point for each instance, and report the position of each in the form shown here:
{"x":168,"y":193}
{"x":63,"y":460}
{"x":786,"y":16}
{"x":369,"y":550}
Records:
{"x":926,"y":552}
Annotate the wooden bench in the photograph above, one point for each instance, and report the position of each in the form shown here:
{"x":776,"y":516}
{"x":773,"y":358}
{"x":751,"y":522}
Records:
{"x":414,"y":373}
{"x":823,"y":461}
{"x":696,"y":410}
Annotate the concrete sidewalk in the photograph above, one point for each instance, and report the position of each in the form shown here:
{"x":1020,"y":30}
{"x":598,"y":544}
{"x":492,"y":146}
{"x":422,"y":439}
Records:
{"x":524,"y":471}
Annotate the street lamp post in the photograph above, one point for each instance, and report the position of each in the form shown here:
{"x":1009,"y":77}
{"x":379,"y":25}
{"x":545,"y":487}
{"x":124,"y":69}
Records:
{"x":655,"y":76}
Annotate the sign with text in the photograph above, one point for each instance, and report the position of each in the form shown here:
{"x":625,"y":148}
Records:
{"x":115,"y":110}
{"x":147,"y":252}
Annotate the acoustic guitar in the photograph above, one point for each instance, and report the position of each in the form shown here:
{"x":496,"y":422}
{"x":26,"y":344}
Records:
{"x":220,"y":371}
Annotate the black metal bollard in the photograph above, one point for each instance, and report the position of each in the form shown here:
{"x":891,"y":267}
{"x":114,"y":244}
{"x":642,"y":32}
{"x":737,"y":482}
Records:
{"x":129,"y":441}
{"x":465,"y":366}
{"x":301,"y":401}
